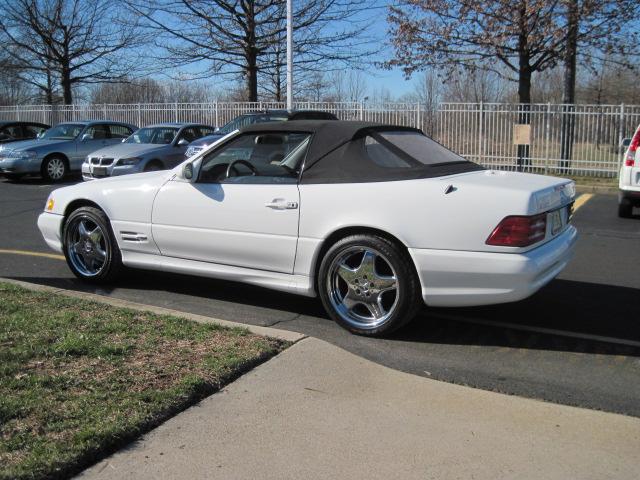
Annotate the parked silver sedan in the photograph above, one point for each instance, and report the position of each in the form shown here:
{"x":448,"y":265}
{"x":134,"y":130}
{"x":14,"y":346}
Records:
{"x":61,"y":149}
{"x":155,"y":147}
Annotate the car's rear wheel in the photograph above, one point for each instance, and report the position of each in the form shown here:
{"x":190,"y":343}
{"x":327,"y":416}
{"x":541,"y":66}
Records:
{"x":90,"y":248}
{"x":625,"y":208}
{"x":54,"y":168}
{"x":368,"y":285}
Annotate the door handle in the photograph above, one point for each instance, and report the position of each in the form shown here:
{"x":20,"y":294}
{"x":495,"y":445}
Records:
{"x":281,"y":204}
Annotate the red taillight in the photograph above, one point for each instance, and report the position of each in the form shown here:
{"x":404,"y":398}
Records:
{"x":519,"y":231}
{"x":633,"y":147}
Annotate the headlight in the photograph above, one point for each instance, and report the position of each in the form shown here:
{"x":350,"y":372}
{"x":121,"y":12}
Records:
{"x":24,"y":155}
{"x":123,"y":162}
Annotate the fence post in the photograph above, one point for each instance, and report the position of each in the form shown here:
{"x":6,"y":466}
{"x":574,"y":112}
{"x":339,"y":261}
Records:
{"x":621,"y":127}
{"x":176,"y":111}
{"x":139,"y":116}
{"x":361,"y":110}
{"x":217,"y":118}
{"x":547,"y":139}
{"x":480,"y":131}
{"x":17,"y":113}
{"x":104,"y":111}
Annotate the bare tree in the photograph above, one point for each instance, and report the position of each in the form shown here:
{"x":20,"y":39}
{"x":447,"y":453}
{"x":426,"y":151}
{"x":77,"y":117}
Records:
{"x":241,"y":39}
{"x":73,"y":42}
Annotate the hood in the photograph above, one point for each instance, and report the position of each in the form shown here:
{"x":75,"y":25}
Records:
{"x":206,"y":141}
{"x":123,"y":150}
{"x":29,"y":145}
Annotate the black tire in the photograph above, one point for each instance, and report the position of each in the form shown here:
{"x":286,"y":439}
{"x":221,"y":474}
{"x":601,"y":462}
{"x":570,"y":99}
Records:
{"x":625,"y":208}
{"x":153,"y":166}
{"x":112,"y":266}
{"x":402,"y":302}
{"x":54,"y":168}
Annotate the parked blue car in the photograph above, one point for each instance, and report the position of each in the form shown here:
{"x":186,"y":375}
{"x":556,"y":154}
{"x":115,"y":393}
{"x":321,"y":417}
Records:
{"x":61,"y":149}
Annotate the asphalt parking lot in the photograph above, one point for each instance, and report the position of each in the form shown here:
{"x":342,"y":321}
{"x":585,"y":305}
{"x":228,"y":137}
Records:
{"x":576,"y":342}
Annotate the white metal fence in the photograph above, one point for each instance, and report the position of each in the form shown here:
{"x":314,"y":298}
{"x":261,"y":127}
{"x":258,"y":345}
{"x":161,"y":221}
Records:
{"x":483,"y":132}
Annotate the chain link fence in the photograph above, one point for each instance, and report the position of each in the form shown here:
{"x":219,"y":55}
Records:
{"x":583,"y":140}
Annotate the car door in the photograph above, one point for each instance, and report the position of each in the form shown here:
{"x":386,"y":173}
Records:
{"x":242,"y":220}
{"x":93,"y":138}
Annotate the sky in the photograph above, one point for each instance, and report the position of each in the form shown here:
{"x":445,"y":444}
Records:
{"x":376,"y":78}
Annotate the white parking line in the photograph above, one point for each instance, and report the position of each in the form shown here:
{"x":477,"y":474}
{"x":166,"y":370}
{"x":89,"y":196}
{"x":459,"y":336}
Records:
{"x":548,"y":331}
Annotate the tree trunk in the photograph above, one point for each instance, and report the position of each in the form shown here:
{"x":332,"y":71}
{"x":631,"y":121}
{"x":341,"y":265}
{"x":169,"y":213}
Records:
{"x":523,"y":160}
{"x":251,"y":52}
{"x":252,"y":78}
{"x":567,"y":128}
{"x":65,"y":80}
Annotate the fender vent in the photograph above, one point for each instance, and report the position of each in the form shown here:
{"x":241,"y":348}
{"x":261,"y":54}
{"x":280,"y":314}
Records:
{"x":133,"y":237}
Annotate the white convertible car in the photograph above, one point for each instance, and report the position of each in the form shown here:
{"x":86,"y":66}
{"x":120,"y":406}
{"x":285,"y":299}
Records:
{"x":374,"y":219}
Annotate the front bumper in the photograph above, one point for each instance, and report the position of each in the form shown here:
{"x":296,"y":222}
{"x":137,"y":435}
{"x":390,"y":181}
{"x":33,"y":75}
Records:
{"x":19,"y":165}
{"x":110,"y":171}
{"x":452,"y":278}
{"x":50,"y":225}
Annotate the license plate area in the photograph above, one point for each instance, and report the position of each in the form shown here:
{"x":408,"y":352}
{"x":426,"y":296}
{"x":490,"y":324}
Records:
{"x":555,"y":220}
{"x":99,"y":171}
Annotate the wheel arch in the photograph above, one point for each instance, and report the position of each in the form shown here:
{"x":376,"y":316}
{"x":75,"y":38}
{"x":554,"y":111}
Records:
{"x":154,"y":161}
{"x":344,"y":232}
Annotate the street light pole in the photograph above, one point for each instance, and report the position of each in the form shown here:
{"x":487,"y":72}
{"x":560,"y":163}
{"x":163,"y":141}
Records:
{"x":289,"y":54}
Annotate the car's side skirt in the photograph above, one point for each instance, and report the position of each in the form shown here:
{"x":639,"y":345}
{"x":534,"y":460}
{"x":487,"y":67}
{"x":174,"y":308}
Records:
{"x":298,"y":284}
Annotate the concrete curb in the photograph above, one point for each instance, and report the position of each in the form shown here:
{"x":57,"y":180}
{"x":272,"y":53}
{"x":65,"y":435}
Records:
{"x":115,"y":302}
{"x":596,"y":189}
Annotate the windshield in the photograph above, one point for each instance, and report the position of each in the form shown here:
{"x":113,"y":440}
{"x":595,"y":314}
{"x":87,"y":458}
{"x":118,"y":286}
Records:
{"x":154,"y":135}
{"x":244,"y":120}
{"x":64,"y":131}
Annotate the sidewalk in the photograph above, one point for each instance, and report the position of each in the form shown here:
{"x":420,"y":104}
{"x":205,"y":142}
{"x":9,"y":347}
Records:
{"x":318,"y":412}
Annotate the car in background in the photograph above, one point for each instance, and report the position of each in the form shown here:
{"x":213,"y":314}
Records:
{"x":16,"y":131}
{"x":629,"y":180}
{"x":156,"y":147}
{"x":257,"y":117}
{"x":61,"y":149}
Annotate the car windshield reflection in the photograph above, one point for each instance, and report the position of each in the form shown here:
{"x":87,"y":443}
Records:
{"x":153,"y":135}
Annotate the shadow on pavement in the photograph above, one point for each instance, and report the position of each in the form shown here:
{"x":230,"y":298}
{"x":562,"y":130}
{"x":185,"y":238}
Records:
{"x":575,"y":308}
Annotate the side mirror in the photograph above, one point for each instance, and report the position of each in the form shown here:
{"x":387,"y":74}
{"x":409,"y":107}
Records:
{"x":124,"y":140}
{"x":85,"y":137}
{"x":187,"y":171}
{"x":182,"y":143}
{"x":217,"y":129}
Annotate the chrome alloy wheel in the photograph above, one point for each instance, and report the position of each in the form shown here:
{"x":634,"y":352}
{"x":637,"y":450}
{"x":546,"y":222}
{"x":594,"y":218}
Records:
{"x":87,"y":248}
{"x":55,"y":168}
{"x":363,"y":287}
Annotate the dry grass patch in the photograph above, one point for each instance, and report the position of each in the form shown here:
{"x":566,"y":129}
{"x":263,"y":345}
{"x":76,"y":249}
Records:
{"x":79,"y":379}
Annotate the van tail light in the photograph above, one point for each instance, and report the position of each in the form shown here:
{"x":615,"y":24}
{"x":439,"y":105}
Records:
{"x":633,"y":148}
{"x":519,"y":231}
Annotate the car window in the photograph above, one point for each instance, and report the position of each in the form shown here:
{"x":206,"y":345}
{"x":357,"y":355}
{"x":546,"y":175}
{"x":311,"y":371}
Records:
{"x":153,"y":135}
{"x":120,"y":131}
{"x":420,"y":147}
{"x":64,"y":131}
{"x":32,"y":131}
{"x":97,"y":132}
{"x":12,"y":131}
{"x":274,"y":158}
{"x":206,"y":131}
{"x":189,"y":134}
{"x":382,"y":156}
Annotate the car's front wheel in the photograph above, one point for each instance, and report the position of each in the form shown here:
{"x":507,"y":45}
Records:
{"x":54,"y":168}
{"x":368,"y":285}
{"x":90,"y":248}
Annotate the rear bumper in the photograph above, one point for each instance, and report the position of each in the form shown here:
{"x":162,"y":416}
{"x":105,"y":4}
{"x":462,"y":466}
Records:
{"x":50,"y":226}
{"x":459,"y":278}
{"x":632,"y":193}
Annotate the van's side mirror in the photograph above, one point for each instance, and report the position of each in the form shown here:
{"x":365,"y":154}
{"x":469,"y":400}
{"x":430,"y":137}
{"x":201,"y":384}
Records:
{"x":85,"y":137}
{"x":187,"y":171}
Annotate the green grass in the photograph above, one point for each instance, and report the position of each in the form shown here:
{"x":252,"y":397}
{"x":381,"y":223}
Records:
{"x":79,"y":379}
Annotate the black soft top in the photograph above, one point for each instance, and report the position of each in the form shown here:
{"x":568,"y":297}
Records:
{"x":327,"y":134}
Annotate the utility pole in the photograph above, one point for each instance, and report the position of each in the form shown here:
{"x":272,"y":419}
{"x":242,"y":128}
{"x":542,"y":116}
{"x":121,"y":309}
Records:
{"x":289,"y":54}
